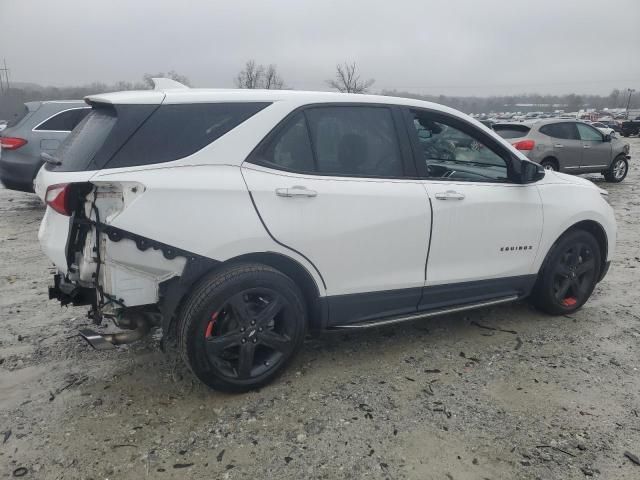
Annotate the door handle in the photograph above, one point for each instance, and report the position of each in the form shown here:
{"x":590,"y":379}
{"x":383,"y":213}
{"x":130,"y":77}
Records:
{"x":450,"y":195}
{"x":296,"y":191}
{"x":586,"y":146}
{"x":558,"y":145}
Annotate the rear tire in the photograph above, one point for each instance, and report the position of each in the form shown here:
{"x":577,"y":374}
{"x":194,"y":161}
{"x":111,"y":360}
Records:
{"x":241,"y":326}
{"x":550,"y":164}
{"x":569,"y":274}
{"x":618,"y":170}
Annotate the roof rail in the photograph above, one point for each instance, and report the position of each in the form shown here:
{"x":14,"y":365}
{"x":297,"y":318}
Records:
{"x":166,"y":84}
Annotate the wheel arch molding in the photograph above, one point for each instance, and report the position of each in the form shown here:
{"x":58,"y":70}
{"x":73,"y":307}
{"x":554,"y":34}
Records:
{"x":175,"y":290}
{"x":595,"y":229}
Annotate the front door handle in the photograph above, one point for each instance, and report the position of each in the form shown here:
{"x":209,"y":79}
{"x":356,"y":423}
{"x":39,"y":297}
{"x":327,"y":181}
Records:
{"x":586,"y":146}
{"x":450,"y":195}
{"x":296,"y":191}
{"x":558,"y":145}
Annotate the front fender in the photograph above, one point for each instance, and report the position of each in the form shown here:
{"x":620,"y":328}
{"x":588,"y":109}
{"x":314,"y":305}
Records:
{"x":564,"y":206}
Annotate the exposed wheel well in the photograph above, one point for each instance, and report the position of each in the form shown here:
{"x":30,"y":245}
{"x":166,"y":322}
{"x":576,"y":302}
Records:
{"x":300,"y":275}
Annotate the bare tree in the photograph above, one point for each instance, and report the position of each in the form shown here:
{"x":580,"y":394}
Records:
{"x":251,"y":76}
{"x":259,"y":76}
{"x":348,"y":79}
{"x":272,"y":79}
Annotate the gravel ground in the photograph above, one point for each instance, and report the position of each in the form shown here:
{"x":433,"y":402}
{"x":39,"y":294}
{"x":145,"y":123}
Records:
{"x":504,"y":392}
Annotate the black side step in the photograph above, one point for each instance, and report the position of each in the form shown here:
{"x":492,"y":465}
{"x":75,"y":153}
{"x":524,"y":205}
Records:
{"x":426,"y":314}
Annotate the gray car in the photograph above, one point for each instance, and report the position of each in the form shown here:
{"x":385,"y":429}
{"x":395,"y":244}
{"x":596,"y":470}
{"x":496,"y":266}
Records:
{"x":569,"y":146}
{"x":40,"y":128}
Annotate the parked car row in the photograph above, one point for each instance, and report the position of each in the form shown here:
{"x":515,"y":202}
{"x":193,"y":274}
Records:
{"x":239,"y":220}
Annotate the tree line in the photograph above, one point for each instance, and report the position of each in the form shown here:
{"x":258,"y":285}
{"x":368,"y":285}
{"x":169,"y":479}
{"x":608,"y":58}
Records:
{"x":347,"y":78}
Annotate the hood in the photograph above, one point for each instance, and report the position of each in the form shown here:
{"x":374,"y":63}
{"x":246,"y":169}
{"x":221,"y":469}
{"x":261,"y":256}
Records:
{"x":558,"y":177}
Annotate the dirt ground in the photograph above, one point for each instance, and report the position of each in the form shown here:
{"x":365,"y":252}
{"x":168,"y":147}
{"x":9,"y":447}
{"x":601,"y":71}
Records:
{"x":499,"y":393}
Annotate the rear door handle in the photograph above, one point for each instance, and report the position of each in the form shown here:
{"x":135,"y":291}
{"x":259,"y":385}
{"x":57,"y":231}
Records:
{"x":450,"y":195}
{"x":586,"y":146}
{"x":558,"y":145}
{"x":296,"y":191}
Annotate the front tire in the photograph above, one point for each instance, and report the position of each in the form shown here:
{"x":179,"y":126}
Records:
{"x":618,"y":170}
{"x":241,"y":326}
{"x":569,"y":274}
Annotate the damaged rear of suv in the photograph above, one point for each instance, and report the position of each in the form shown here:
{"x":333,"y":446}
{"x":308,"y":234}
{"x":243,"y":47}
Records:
{"x":102,"y":224}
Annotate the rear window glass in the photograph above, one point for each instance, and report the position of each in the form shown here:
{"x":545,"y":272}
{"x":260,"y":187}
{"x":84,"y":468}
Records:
{"x":64,"y":121}
{"x":80,"y":146}
{"x":17,"y":118}
{"x":177,"y":131}
{"x":511,"y":131}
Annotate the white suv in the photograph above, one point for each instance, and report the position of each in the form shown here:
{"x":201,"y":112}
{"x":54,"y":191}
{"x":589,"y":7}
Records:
{"x":240,"y":219}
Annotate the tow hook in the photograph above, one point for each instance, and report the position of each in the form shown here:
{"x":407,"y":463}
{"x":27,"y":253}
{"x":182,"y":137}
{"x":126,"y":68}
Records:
{"x":138,"y":326}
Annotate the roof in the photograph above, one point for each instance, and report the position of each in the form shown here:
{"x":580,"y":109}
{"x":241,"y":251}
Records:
{"x":197,"y":95}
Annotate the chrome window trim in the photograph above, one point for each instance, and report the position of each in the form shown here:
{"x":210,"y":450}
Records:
{"x":35,"y":129}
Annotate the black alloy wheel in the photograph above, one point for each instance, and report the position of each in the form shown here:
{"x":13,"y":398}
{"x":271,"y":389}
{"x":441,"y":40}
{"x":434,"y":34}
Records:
{"x":250,"y":334}
{"x":569,"y":274}
{"x":574,"y":275}
{"x":241,"y":326}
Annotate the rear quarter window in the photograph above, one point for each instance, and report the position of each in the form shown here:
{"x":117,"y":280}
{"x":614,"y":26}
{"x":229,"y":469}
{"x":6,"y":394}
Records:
{"x":511,"y":131}
{"x":177,"y":131}
{"x":64,"y":121}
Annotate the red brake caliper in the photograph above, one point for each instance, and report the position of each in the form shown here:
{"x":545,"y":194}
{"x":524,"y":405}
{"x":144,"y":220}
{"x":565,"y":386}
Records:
{"x":570,"y":301}
{"x":209,"y":331}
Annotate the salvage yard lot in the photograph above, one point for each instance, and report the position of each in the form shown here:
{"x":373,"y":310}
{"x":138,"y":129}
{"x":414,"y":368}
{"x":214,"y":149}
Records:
{"x":504,"y":392}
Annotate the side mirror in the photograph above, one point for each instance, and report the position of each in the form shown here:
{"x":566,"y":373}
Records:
{"x":607,"y":138}
{"x":531,"y":172}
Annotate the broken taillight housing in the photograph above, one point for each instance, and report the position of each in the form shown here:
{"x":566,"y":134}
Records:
{"x":525,"y":145}
{"x":58,"y":196}
{"x":12,"y":143}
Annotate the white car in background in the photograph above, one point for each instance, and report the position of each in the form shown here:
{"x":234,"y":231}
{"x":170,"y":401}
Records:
{"x":603,"y":128}
{"x":240,"y":219}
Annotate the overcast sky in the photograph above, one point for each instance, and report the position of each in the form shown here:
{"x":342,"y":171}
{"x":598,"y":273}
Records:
{"x":453,"y":47}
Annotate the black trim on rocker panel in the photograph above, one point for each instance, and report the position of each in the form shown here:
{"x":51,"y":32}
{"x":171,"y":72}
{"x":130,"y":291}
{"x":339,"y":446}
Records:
{"x":365,"y":307}
{"x":439,"y":296}
{"x":360,"y":307}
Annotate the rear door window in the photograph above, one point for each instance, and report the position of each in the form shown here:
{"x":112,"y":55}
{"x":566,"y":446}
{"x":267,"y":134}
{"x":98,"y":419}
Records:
{"x":358,"y":141}
{"x":564,"y":130}
{"x":511,"y":131}
{"x":291,"y":148}
{"x":64,"y":121}
{"x":355,"y":140}
{"x":177,"y":131}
